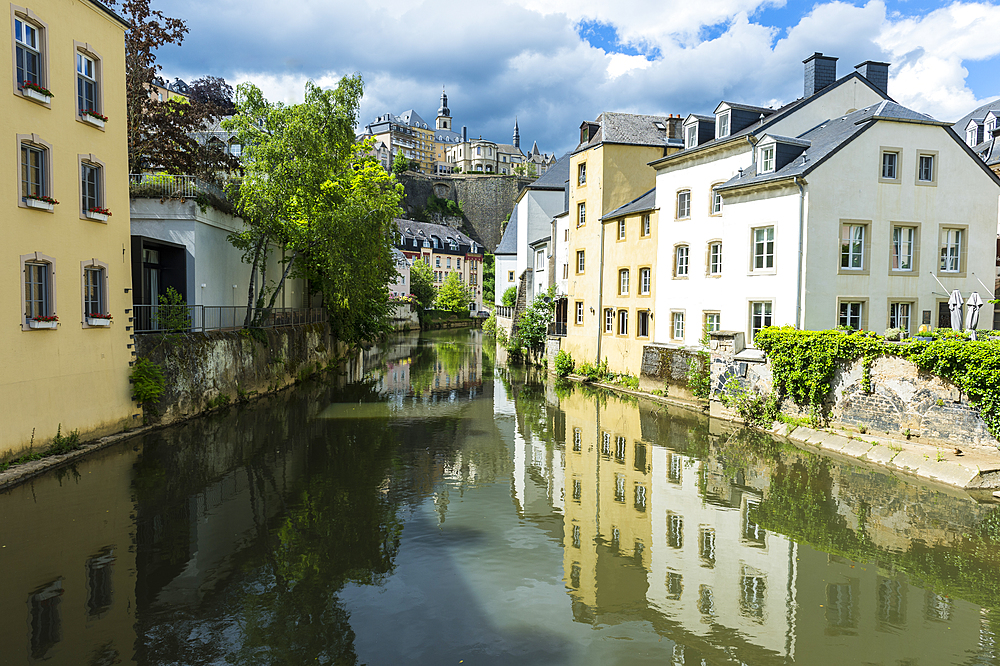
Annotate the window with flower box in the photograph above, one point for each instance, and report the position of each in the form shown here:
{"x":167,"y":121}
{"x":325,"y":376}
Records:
{"x":38,"y":293}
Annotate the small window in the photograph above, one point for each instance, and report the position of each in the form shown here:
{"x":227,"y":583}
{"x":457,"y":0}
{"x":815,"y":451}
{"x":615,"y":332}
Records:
{"x":763,"y":248}
{"x":903,"y":247}
{"x":580,"y":261}
{"x":645,"y":226}
{"x":510,"y":276}
{"x":899,"y":316}
{"x":94,"y":297}
{"x":565,"y":271}
{"x":712,"y":322}
{"x":458,"y":262}
{"x":683,"y":204}
{"x":760,"y":317}
{"x":767,"y":159}
{"x":448,"y":262}
{"x":925,"y":169}
{"x":437,"y":262}
{"x":890,"y":163}
{"x":37,"y":290}
{"x":722,"y":125}
{"x":677,"y":326}
{"x":621,"y":229}
{"x":852,"y":247}
{"x":27,"y":53}
{"x":642,"y":324}
{"x":681,"y":260}
{"x":716,"y":201}
{"x":623,"y":282}
{"x":581,"y":210}
{"x":645,"y":281}
{"x":581,"y":173}
{"x":850,"y":314}
{"x":579,"y":313}
{"x":609,"y":320}
{"x":951,"y":250}
{"x":623,"y":322}
{"x":715,"y":258}
{"x":86,"y":84}
{"x":539,"y":259}
{"x":691,"y":136}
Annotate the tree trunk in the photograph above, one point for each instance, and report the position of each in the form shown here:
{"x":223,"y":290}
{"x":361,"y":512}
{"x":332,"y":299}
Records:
{"x":253,"y":281}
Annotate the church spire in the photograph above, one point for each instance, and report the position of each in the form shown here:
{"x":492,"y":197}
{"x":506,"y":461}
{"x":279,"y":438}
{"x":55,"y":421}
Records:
{"x":517,"y":134}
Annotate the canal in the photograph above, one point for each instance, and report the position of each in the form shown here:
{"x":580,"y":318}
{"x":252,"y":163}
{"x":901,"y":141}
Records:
{"x":431,"y":507}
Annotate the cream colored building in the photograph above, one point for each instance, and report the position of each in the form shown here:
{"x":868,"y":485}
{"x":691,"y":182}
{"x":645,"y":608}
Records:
{"x":67,"y":260}
{"x":609,"y":169}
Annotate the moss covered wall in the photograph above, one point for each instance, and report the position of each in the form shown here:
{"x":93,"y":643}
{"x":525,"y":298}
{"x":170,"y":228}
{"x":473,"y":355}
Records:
{"x":204,"y":370}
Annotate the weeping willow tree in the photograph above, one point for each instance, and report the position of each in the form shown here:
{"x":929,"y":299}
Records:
{"x":309,"y":190}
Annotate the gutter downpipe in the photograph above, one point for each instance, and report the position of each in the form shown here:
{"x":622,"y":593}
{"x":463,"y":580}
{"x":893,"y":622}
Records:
{"x":798,"y":286}
{"x":600,"y":296}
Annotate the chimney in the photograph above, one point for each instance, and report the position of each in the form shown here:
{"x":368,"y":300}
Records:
{"x":465,"y":134}
{"x":877,"y":74}
{"x":821,"y":71}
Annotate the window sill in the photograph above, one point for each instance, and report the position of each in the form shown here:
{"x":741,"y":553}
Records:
{"x":91,"y":120}
{"x":42,"y":324}
{"x":96,"y":322}
{"x":38,"y":204}
{"x":853,"y":271}
{"x":99,"y":217}
{"x":36,"y":96}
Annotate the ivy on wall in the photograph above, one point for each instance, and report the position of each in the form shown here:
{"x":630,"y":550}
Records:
{"x":804,"y":364}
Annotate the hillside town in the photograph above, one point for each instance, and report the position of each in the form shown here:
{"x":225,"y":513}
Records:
{"x":296,"y":378}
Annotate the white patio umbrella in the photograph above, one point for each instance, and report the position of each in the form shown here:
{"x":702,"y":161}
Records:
{"x":955,"y":305}
{"x":972,"y":314}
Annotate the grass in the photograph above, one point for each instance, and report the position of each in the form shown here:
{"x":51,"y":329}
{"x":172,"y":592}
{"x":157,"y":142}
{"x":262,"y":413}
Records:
{"x":60,"y":444}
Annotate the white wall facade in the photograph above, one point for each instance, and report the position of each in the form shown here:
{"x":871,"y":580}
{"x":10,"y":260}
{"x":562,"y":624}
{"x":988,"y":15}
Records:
{"x":506,"y":275}
{"x":560,"y":243}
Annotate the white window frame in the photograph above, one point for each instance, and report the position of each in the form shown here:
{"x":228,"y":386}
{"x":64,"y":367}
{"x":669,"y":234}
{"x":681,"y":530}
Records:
{"x":722,"y":125}
{"x":716,"y":208}
{"x":852,"y":246}
{"x":762,"y":249}
{"x":767,"y":159}
{"x":623,"y":279}
{"x":609,"y":320}
{"x":646,"y":226}
{"x":581,"y":261}
{"x":623,"y":322}
{"x":901,"y":312}
{"x":951,"y":250}
{"x":579,"y":313}
{"x":683,"y":204}
{"x":761,"y":316}
{"x":581,"y":209}
{"x":926,"y":168}
{"x":677,"y":325}
{"x":715,"y":258}
{"x":901,"y":247}
{"x":622,"y":228}
{"x":642,"y":323}
{"x":691,"y":135}
{"x":35,"y":47}
{"x":581,"y":172}
{"x":645,"y":280}
{"x":682,"y":261}
{"x":712,"y":321}
{"x":890,"y":167}
{"x":851,"y":313}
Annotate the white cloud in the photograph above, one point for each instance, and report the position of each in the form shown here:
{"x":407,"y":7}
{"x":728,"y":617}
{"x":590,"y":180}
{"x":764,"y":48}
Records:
{"x":621,"y":63}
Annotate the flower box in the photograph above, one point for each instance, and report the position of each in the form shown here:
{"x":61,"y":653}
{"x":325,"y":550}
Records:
{"x":91,"y":120}
{"x":100,"y":217}
{"x":39,"y":204}
{"x":31,"y":93}
{"x":42,"y":324}
{"x":98,"y":321}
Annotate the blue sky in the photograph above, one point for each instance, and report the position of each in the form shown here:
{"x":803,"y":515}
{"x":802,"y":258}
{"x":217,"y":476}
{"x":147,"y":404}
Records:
{"x":555,"y":63}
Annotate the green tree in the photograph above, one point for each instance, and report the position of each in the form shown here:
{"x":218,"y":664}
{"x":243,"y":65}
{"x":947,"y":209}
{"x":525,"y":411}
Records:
{"x":309,"y":190}
{"x":526,"y":169}
{"x":401,"y":163}
{"x":453,"y":295}
{"x":489,"y":279}
{"x":422,"y":283}
{"x":510,"y":296}
{"x":533,"y":325}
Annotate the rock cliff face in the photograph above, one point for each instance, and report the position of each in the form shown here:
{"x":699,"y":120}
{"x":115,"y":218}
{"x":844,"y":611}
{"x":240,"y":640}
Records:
{"x":486,"y":201}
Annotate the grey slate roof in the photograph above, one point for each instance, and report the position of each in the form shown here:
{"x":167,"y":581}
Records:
{"x":555,"y":176}
{"x":829,"y":137}
{"x":413,"y":229}
{"x":413,"y":119}
{"x":978,"y":114}
{"x":640,"y":204}
{"x":630,"y":129}
{"x":508,"y":243}
{"x":509,"y":149}
{"x":776,"y":114}
{"x":747,"y":107}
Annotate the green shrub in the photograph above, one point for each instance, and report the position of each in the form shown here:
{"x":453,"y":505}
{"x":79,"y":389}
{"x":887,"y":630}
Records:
{"x":757,"y":410}
{"x":564,"y":363}
{"x":510,"y":297}
{"x":490,"y":325}
{"x":173,"y":314}
{"x":147,"y":382}
{"x":699,"y":376}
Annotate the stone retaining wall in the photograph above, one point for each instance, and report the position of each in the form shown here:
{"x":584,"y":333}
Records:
{"x":666,"y":368}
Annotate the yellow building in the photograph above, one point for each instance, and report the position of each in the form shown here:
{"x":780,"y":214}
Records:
{"x":609,"y":185}
{"x":67,"y":266}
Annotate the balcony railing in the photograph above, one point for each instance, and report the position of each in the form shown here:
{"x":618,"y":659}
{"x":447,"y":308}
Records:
{"x":557,"y":328}
{"x":170,"y":186}
{"x":201,"y":318}
{"x":504,"y":311}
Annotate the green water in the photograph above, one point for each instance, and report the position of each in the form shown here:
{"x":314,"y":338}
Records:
{"x":428,"y":507}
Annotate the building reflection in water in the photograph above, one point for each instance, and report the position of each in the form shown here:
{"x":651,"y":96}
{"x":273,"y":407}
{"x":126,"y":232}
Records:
{"x":660,"y":515}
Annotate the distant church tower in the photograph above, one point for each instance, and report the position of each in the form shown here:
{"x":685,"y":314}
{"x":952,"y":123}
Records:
{"x":444,"y":113}
{"x":517,"y":134}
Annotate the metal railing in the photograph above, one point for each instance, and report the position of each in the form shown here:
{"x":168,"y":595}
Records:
{"x":170,"y":186}
{"x":557,"y":328}
{"x":504,"y":311}
{"x":201,"y":318}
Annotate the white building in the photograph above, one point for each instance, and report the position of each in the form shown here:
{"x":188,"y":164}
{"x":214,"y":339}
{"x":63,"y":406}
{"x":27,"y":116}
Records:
{"x":842,"y":207}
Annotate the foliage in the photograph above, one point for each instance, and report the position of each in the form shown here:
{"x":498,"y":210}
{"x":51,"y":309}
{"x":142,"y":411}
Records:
{"x":401,"y":164}
{"x":453,"y":295}
{"x":422,"y":283}
{"x":322,"y":199}
{"x":447,"y":207}
{"x":489,"y":279}
{"x":804,"y":364}
{"x":160,"y":132}
{"x":147,"y":382}
{"x":532,"y":328}
{"x":699,"y":373}
{"x":173,"y":314}
{"x":490,"y":325}
{"x":755,"y":409}
{"x":510,"y":297}
{"x":214,"y":91}
{"x":63,"y":443}
{"x":526,"y":169}
{"x":564,"y":363}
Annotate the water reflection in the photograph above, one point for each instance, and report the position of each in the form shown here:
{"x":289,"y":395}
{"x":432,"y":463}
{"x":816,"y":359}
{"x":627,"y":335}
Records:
{"x":427,"y":507}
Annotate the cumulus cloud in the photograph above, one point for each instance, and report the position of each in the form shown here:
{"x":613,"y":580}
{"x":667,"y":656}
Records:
{"x":526,"y":58}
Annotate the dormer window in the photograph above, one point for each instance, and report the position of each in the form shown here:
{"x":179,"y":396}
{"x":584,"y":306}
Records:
{"x":691,"y":135}
{"x":970,"y":135}
{"x":767,"y":159}
{"x":722,"y":125}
